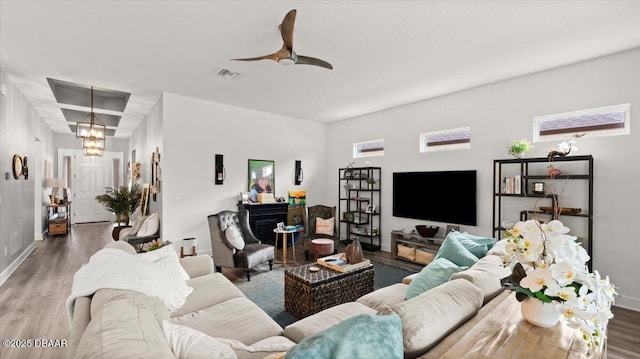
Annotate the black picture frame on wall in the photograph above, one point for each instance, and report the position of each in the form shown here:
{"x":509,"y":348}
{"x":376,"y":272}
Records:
{"x":261,"y":178}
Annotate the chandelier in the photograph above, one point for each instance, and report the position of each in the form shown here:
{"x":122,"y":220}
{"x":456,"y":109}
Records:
{"x":92,"y":134}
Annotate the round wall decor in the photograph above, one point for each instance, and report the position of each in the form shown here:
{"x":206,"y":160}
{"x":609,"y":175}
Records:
{"x":17,"y":166}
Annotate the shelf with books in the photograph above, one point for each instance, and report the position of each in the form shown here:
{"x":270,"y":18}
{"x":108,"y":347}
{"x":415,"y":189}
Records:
{"x":545,"y":183}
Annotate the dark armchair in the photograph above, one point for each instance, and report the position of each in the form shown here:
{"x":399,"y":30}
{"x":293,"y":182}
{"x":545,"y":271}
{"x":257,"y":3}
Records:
{"x":310,"y":234}
{"x":226,"y":253}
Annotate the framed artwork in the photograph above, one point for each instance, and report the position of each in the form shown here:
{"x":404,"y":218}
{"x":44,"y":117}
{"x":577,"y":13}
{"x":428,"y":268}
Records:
{"x":155,"y":172}
{"x":144,"y":199}
{"x":261,"y":178}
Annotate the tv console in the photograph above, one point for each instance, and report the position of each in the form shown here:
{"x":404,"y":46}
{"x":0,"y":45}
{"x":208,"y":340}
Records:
{"x":414,"y":240}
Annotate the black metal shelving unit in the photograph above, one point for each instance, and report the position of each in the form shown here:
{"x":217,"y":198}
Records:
{"x":358,"y":193}
{"x":529,"y":172}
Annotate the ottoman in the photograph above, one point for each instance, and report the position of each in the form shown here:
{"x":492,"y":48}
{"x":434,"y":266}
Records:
{"x":321,"y":247}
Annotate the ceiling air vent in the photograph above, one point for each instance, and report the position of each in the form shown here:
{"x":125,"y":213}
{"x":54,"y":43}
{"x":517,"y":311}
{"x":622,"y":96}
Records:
{"x":227,"y":74}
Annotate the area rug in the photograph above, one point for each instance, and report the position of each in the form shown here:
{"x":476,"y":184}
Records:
{"x":266,"y":288}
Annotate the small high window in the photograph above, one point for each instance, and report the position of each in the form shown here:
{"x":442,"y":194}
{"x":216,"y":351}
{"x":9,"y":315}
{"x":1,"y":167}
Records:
{"x":602,"y":121}
{"x":446,"y":140}
{"x":368,"y":148}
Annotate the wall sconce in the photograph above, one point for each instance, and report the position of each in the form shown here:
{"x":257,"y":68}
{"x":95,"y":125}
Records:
{"x":220,"y":173}
{"x":299,"y":174}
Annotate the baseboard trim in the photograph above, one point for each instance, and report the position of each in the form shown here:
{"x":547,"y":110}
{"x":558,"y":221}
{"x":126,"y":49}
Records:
{"x":627,"y":302}
{"x":16,"y":263}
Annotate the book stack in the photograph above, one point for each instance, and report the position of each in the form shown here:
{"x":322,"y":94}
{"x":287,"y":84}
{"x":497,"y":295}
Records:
{"x":512,"y":185}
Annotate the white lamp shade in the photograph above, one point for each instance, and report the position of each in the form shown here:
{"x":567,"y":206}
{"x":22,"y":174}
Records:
{"x":53,"y":183}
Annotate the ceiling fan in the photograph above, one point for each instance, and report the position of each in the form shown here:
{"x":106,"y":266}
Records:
{"x":286,"y":55}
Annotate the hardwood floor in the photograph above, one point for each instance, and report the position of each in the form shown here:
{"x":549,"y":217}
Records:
{"x":32,"y":300}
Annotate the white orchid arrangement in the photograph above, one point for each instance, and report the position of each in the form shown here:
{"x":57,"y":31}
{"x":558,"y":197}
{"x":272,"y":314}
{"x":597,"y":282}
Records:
{"x":550,"y":265}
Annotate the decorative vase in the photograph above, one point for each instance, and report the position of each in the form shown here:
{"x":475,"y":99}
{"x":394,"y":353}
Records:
{"x":518,"y":155}
{"x":539,"y":313}
{"x":353,"y":252}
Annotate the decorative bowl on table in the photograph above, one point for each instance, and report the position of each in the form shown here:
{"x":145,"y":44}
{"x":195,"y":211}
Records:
{"x":427,"y":231}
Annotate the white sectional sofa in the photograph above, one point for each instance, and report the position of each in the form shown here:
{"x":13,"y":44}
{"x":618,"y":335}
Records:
{"x":125,"y":324}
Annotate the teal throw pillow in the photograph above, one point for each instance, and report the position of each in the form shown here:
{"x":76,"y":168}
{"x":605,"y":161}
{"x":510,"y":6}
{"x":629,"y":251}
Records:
{"x":431,"y":276}
{"x":482,"y":240}
{"x":362,"y":336}
{"x":477,"y":249}
{"x":454,"y":251}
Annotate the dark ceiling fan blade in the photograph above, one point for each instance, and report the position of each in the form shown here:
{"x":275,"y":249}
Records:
{"x":286,"y":28}
{"x":306,"y":60}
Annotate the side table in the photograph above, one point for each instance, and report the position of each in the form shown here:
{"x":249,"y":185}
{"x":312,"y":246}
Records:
{"x":284,"y":234}
{"x":115,"y":234}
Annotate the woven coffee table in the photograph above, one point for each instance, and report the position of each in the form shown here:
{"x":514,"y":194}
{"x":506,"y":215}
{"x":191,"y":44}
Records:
{"x":306,"y":292}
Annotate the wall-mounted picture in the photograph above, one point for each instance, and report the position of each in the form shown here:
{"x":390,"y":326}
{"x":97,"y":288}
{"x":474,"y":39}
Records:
{"x":144,"y":199}
{"x":261,"y":178}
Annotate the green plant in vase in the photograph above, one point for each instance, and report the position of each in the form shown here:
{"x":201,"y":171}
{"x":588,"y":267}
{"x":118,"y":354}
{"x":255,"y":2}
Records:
{"x":121,"y":200}
{"x":518,"y":147}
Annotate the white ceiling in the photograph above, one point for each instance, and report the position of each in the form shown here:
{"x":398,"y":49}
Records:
{"x":384,"y":53}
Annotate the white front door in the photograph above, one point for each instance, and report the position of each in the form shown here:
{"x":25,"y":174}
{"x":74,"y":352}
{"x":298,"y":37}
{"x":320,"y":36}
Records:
{"x":91,"y":174}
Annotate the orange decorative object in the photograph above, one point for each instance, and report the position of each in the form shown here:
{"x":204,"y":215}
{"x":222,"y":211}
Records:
{"x":553,"y":172}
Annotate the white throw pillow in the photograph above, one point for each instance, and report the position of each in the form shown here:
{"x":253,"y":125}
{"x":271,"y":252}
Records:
{"x":234,"y":237}
{"x":167,"y":258}
{"x":188,"y":343}
{"x":137,"y":225}
{"x":150,"y":226}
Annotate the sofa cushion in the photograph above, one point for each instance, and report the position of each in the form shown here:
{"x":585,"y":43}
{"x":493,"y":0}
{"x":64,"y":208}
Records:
{"x":122,"y":246}
{"x":431,"y":276}
{"x":133,"y":298}
{"x":123,"y":329}
{"x":429,"y":317}
{"x":388,"y":295}
{"x":325,"y":226}
{"x":197,"y":266}
{"x":137,"y":224}
{"x":167,"y":259}
{"x":187,"y":343}
{"x":454,"y":251}
{"x":150,"y":226}
{"x":260,"y":349}
{"x":236,"y":318}
{"x":362,"y":336}
{"x":486,"y":275}
{"x":320,"y":321}
{"x":489,"y":241}
{"x":477,"y":249}
{"x":233,"y":237}
{"x":207,"y":291}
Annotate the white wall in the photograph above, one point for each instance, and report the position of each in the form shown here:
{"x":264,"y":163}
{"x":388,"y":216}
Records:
{"x":194,"y":131}
{"x":146,"y":139}
{"x":20,"y":127}
{"x":503,"y":111}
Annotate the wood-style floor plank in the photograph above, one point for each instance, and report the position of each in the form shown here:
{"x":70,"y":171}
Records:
{"x":32,"y":300}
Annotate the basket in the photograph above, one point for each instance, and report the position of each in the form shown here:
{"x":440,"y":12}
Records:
{"x":427,"y":231}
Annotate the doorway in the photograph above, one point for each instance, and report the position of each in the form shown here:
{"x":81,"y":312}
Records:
{"x":87,"y":177}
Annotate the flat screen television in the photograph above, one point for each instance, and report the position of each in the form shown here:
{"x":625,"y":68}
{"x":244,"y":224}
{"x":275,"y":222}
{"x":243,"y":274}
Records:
{"x":444,"y":196}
